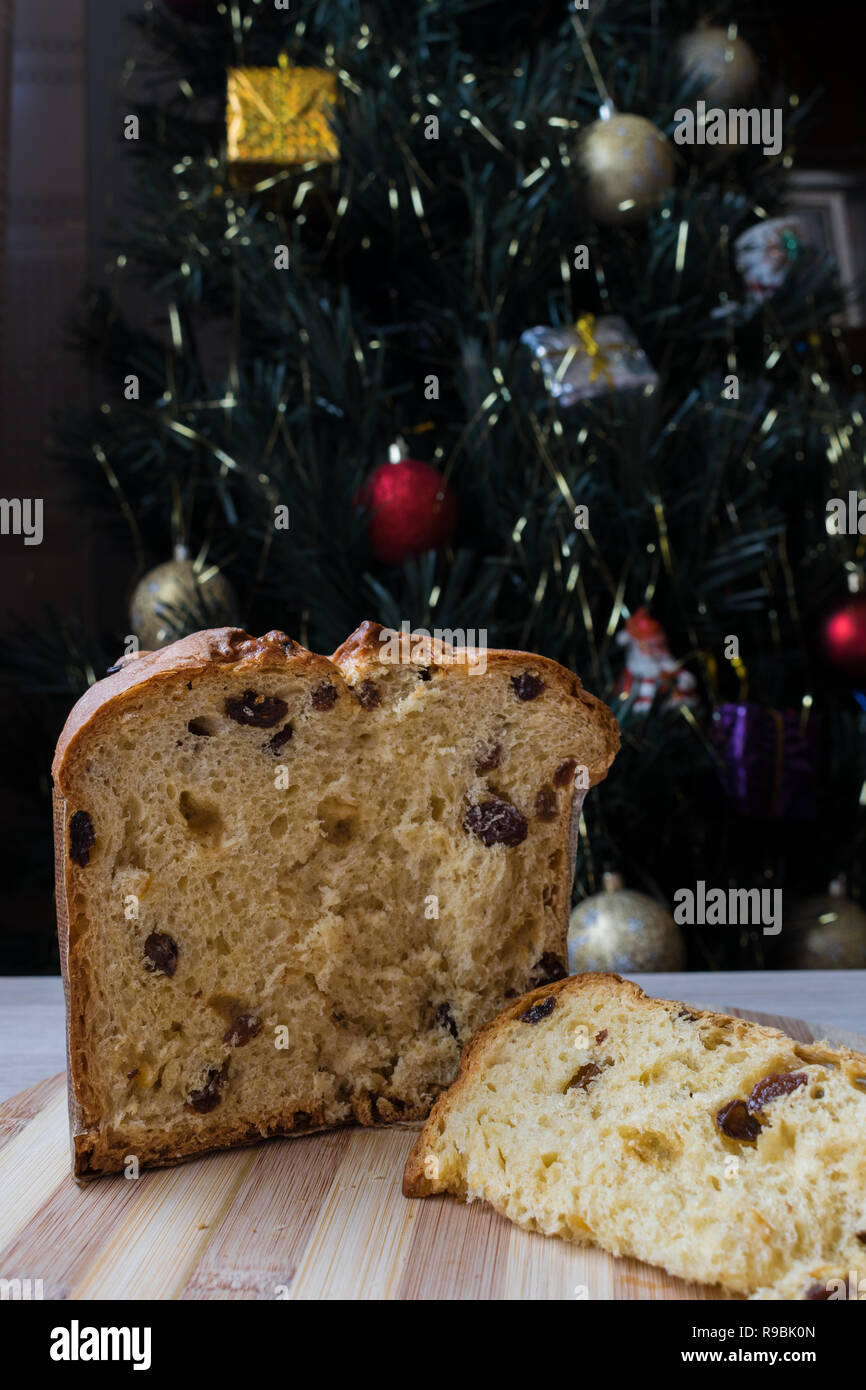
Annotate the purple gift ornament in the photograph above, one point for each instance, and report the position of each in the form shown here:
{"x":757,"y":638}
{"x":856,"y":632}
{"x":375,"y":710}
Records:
{"x":766,"y":760}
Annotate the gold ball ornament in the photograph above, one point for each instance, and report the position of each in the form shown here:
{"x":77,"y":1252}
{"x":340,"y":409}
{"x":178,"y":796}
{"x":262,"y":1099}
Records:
{"x":724,"y":70}
{"x":178,"y":598}
{"x":621,"y":930}
{"x":629,"y":166}
{"x":826,"y":932}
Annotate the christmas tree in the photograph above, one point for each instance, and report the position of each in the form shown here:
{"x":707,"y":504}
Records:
{"x":440,"y":312}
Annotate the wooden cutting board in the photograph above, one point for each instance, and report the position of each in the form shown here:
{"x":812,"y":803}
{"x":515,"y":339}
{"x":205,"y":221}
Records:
{"x":315,"y":1218}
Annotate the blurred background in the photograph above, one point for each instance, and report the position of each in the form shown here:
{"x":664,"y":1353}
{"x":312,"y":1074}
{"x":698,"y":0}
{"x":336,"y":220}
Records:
{"x":621,"y":457}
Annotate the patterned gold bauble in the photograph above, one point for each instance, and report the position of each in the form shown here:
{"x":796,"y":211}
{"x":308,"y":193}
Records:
{"x":827,"y":932}
{"x":629,"y":167}
{"x":178,"y":598}
{"x":721,"y":70}
{"x":621,"y":930}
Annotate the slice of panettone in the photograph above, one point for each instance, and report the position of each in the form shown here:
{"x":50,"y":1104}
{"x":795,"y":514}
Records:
{"x":719,"y":1149}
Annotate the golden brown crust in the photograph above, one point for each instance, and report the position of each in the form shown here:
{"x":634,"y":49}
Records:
{"x":415,"y":1181}
{"x":93,"y":716}
{"x":94,"y":1154}
{"x":72,"y":1039}
{"x":362,"y":642}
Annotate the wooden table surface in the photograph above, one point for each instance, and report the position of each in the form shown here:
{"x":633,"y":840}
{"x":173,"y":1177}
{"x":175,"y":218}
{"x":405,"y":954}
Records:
{"x":31,"y":1009}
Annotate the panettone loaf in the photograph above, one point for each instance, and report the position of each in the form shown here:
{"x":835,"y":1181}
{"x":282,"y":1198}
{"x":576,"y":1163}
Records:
{"x":289,"y":887}
{"x":719,"y":1149}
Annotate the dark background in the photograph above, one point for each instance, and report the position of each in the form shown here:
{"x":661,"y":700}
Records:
{"x":63,"y":200}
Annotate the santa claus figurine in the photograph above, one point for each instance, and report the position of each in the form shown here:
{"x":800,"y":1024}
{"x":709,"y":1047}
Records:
{"x":649,"y":666}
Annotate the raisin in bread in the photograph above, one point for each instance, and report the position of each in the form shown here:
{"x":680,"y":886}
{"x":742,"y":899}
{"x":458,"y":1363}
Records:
{"x":719,"y":1149}
{"x":289,"y":887}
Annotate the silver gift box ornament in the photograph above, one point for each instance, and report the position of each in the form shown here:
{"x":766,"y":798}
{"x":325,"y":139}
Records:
{"x":594,"y":356}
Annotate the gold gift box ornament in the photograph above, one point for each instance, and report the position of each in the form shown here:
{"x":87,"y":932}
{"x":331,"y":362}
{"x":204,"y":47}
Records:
{"x":280,"y":116}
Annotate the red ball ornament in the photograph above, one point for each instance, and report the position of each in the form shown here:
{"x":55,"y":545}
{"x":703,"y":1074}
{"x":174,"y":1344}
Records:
{"x":843,"y":638}
{"x":412,"y":509}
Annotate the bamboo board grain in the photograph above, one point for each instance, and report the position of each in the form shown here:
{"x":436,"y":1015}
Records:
{"x":314,"y":1218}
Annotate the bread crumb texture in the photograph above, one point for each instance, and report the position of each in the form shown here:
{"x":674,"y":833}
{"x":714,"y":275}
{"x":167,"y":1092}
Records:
{"x":719,"y":1149}
{"x":292,"y":886}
